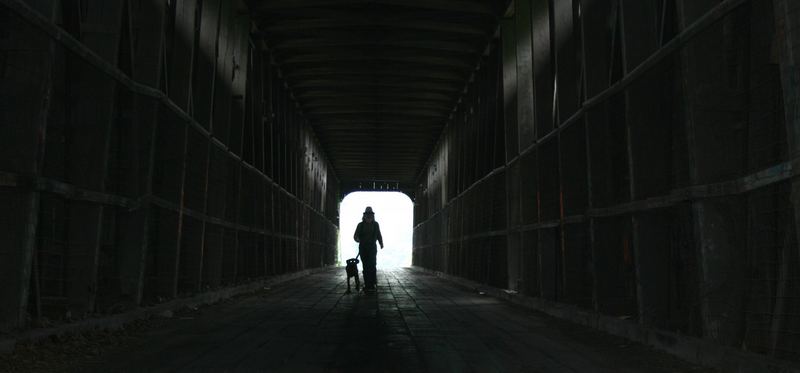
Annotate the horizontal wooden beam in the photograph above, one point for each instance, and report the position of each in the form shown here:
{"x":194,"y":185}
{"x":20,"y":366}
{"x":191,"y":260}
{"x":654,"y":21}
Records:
{"x":456,"y":6}
{"x":370,"y":12}
{"x":371,"y":132}
{"x":411,"y":125}
{"x":313,"y":59}
{"x":293,"y":26}
{"x":342,"y":84}
{"x":453,"y":46}
{"x":344,"y":102}
{"x":405,"y":94}
{"x":367,"y":73}
{"x":374,"y":116}
{"x":410,"y":112}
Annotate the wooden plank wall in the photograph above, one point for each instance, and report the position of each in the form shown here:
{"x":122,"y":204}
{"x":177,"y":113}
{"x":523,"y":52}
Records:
{"x":150,"y":149}
{"x":648,"y":167}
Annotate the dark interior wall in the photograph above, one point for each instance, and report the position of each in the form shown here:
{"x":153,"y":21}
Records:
{"x":646,"y":171}
{"x":460,"y":222}
{"x":148,"y":150}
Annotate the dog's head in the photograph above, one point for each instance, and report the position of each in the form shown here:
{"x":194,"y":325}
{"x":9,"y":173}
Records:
{"x":352,"y":262}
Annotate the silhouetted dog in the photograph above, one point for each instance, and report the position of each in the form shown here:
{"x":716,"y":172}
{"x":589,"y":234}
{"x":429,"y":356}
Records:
{"x":352,"y":271}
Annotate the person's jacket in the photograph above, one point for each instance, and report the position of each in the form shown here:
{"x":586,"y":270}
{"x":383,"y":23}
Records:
{"x":368,"y":233}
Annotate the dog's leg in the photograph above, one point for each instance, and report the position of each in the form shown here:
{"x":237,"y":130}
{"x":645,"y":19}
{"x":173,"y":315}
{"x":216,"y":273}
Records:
{"x":348,"y":285}
{"x":358,"y":283}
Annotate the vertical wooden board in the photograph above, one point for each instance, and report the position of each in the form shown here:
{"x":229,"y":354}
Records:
{"x":529,"y":258}
{"x":720,"y":243}
{"x":205,"y":62}
{"x":597,"y":18}
{"x":168,"y":184}
{"x":525,"y":121}
{"x":165,"y":253}
{"x":240,"y":55}
{"x":217,"y":204}
{"x":140,"y":143}
{"x":257,"y":103}
{"x":268,"y":111}
{"x":214,"y":256}
{"x":568,"y":70}
{"x":513,"y":201}
{"x":653,"y":262}
{"x":173,"y":252}
{"x":549,"y":192}
{"x":500,"y":112}
{"x":508,"y":30}
{"x":92,"y":115}
{"x":280,"y":134}
{"x":640,"y":20}
{"x":182,"y":58}
{"x":224,"y":73}
{"x":548,"y":263}
{"x":787,"y":14}
{"x":529,"y":189}
{"x":543,"y":66}
{"x":577,"y":262}
{"x":713,"y":98}
{"x":218,"y":176}
{"x":574,"y":170}
{"x":712,"y":106}
{"x":639,"y":38}
{"x":25,"y":90}
{"x":613,"y":259}
{"x":93,"y":94}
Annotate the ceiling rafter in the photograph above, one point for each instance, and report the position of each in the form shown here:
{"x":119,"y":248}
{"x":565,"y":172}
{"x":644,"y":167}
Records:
{"x":294,"y":26}
{"x":458,"y":6}
{"x":347,"y":103}
{"x":356,"y":73}
{"x":377,"y":79}
{"x":319,"y":59}
{"x":410,"y":43}
{"x":345,"y":83}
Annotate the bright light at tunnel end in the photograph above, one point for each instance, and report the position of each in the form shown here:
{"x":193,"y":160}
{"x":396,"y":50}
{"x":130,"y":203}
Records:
{"x":394,"y":212}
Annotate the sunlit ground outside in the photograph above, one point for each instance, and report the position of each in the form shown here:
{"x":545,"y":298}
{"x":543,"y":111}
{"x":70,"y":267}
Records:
{"x":394,"y":212}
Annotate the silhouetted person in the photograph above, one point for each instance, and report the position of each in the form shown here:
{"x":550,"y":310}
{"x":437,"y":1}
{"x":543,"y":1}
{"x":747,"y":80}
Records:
{"x":367,"y":232}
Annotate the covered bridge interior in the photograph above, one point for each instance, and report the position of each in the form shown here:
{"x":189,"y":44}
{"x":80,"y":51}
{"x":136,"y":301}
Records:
{"x":626,"y":165}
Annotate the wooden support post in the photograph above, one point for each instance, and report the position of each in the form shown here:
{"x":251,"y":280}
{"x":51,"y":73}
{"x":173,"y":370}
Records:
{"x":205,"y":62}
{"x":633,"y":52}
{"x":216,"y":166}
{"x":542,"y":60}
{"x":139,"y":144}
{"x":510,"y":93}
{"x":523,"y":119}
{"x":179,"y":85}
{"x":525,"y":68}
{"x":170,"y":149}
{"x":27,"y":92}
{"x":787,"y":21}
{"x":596,"y":42}
{"x":508,"y":34}
{"x":516,"y":250}
{"x":718,"y":239}
{"x":92,"y":117}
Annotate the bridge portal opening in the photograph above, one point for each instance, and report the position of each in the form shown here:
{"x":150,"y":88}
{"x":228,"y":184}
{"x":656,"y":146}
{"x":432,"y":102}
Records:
{"x":394,"y":212}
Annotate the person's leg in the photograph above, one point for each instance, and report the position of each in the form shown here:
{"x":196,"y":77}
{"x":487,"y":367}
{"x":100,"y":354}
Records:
{"x":373,"y":271}
{"x":368,"y":262}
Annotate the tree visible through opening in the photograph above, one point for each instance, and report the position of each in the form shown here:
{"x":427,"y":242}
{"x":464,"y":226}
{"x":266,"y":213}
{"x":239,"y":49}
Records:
{"x":394,"y":212}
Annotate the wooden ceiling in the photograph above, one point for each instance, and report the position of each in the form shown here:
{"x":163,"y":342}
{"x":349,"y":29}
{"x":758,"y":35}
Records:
{"x":377,"y":79}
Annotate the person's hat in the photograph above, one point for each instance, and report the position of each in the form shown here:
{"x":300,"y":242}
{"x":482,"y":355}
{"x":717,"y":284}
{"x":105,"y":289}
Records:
{"x":368,"y":211}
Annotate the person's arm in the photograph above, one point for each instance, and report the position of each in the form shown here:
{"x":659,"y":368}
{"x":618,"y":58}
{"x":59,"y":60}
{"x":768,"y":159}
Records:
{"x":380,"y":238}
{"x":357,"y":235}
